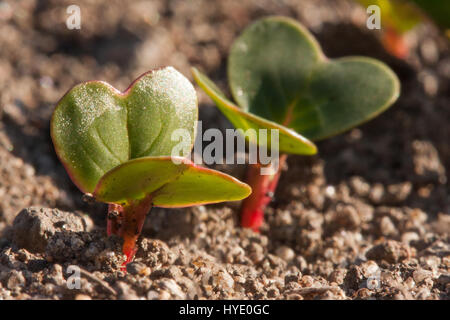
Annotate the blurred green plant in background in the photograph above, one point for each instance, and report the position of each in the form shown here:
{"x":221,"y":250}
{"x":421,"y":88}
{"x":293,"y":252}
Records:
{"x":400,"y":16}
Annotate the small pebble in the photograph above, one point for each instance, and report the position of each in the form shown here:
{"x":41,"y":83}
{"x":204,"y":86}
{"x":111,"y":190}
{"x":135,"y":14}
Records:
{"x":285,"y":253}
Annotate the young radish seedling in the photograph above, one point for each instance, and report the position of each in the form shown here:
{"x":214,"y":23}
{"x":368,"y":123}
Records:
{"x":280,"y":79}
{"x":117,"y":146}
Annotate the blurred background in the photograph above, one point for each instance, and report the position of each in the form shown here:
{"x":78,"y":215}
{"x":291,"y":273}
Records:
{"x":400,"y":159}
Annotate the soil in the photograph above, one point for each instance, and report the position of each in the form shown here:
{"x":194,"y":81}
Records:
{"x":367,"y":218}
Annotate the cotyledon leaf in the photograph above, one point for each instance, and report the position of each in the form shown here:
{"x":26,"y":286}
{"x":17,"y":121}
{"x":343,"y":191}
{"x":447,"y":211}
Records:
{"x":95,"y":127}
{"x":343,"y":93}
{"x":289,"y":140}
{"x":170,"y":182}
{"x":278,"y":74}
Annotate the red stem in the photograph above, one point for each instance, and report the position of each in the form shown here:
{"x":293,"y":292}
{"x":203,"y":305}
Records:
{"x":127,"y":222}
{"x":263,"y":189}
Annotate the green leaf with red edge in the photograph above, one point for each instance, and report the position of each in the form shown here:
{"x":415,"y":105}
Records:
{"x":278,"y":73}
{"x":118,"y":145}
{"x":170,"y":182}
{"x":95,"y":127}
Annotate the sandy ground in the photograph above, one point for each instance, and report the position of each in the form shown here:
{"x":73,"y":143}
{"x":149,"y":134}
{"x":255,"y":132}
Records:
{"x":366,"y":218}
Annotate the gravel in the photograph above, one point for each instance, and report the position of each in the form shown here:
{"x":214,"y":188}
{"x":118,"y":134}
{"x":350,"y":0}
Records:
{"x":32,"y":227}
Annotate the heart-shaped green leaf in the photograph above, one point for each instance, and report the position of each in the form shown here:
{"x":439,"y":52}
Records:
{"x":118,"y":145}
{"x":277,"y":72}
{"x":170,"y":182}
{"x":96,"y":128}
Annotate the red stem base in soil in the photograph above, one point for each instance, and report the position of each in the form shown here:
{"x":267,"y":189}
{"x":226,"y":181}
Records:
{"x":263,"y":189}
{"x":127,"y":222}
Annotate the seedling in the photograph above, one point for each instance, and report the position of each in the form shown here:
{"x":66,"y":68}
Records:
{"x":117,"y":147}
{"x":397,"y":18}
{"x":280,"y":79}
